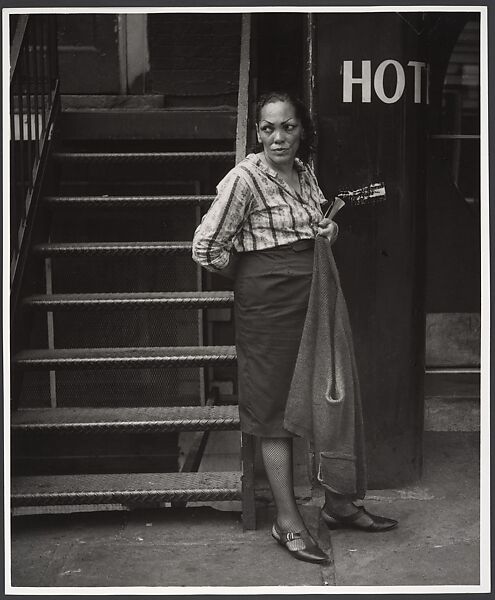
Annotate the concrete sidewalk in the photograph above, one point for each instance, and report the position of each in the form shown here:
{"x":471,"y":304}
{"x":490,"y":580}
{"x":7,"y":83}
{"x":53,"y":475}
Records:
{"x":436,"y":543}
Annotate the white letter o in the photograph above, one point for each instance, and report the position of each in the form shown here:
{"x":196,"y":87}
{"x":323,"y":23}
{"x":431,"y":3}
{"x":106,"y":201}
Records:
{"x":400,"y":85}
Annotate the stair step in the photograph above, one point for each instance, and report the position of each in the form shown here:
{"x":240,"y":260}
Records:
{"x":91,"y":358}
{"x":124,"y":488}
{"x":124,"y":201}
{"x":153,"y":124}
{"x":141,"y":101}
{"x":111,"y":248}
{"x":152,"y":419}
{"x":136,"y":157}
{"x":134,"y":300}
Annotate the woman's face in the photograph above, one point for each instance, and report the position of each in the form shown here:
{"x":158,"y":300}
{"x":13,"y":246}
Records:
{"x":280,"y":132}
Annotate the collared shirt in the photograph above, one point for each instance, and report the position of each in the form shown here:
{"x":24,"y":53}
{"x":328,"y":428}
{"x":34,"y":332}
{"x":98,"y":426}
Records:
{"x":256,"y":209}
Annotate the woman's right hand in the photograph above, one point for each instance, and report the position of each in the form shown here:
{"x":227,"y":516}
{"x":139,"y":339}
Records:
{"x":329,"y":229}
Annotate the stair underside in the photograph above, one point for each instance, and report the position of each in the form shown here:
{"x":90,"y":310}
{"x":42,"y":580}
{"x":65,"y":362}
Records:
{"x":124,"y":488}
{"x":156,"y":419}
{"x":135,"y":300}
{"x":91,"y":358}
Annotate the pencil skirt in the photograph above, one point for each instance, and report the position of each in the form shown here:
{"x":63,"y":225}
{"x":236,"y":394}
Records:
{"x":271,"y":294}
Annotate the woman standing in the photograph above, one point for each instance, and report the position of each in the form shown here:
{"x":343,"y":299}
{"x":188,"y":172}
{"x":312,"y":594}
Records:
{"x":261,"y":228}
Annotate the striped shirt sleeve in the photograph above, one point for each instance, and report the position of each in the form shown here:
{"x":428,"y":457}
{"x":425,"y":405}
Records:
{"x":214,"y":236}
{"x":314,"y":184}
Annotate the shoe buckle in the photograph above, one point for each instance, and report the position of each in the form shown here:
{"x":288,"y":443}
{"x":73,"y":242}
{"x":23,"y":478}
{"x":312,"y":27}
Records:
{"x":291,"y":536}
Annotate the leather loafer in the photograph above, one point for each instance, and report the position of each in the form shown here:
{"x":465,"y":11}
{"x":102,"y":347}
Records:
{"x":334,"y":521}
{"x":311,"y":551}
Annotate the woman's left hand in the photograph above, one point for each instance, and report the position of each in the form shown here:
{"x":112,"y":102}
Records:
{"x":329,"y":229}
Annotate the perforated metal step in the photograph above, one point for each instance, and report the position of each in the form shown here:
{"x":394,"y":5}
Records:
{"x":134,"y":300}
{"x":136,"y":157}
{"x":112,"y":248}
{"x":156,"y":419}
{"x":123,"y":201}
{"x":114,"y":358}
{"x":125,"y":488}
{"x":155,"y":124}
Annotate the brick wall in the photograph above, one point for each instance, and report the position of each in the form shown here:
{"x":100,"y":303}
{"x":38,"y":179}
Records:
{"x":194,"y":59}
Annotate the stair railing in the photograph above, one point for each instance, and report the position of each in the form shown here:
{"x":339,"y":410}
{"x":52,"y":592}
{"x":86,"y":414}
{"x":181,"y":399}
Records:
{"x":34,"y":104}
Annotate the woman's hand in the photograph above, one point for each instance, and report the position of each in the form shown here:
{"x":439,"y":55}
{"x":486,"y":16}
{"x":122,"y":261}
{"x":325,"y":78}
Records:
{"x":329,"y":229}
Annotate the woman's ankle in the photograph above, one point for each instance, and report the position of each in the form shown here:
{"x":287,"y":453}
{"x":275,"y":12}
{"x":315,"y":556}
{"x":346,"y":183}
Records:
{"x":290,"y":522}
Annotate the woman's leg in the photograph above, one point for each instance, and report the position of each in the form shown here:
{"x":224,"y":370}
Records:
{"x":277,"y":458}
{"x":289,"y":528}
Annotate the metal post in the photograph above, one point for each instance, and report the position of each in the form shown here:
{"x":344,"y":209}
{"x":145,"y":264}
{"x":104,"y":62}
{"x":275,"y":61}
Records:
{"x":309,"y":80}
{"x":248,"y":482}
{"x":22,"y":169}
{"x":13,"y":177}
{"x":27,"y":74}
{"x":243,"y":94}
{"x":53,"y":45}
{"x":51,"y":331}
{"x":44,"y":93}
{"x":36,"y":54}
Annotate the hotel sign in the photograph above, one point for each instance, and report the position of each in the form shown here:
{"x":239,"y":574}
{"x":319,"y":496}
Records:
{"x":360,"y":86}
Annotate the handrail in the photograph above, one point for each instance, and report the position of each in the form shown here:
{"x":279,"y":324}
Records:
{"x":17,"y":43}
{"x":34,"y":100}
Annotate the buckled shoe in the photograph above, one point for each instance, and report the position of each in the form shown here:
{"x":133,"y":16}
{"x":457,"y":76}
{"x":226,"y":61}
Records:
{"x":300,"y":544}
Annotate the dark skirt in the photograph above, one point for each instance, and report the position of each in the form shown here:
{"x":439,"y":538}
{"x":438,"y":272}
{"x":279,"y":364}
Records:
{"x":271,"y":298}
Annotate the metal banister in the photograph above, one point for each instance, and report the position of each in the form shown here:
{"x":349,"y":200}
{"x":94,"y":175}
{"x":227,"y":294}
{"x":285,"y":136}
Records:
{"x":34,"y":102}
{"x":17,"y":43}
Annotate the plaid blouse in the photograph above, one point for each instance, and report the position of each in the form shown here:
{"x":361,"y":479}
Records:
{"x":256,"y":209}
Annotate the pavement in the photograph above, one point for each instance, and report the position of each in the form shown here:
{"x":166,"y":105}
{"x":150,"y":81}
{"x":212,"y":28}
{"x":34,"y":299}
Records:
{"x":438,"y":538}
{"x":437,"y":541}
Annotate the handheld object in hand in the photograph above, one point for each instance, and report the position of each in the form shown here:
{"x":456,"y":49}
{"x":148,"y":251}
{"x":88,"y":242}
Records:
{"x":369,"y":194}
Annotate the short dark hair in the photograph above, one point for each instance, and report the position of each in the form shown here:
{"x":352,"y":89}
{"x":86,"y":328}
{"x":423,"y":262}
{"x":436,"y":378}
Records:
{"x":307,"y":145}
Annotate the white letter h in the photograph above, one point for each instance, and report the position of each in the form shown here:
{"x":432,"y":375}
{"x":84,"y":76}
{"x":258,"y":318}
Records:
{"x":364,"y":81}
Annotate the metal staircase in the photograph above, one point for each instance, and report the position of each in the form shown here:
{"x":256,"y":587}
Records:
{"x":116,"y":335}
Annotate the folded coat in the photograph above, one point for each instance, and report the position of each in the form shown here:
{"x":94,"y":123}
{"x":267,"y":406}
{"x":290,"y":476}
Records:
{"x":324,"y":403}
